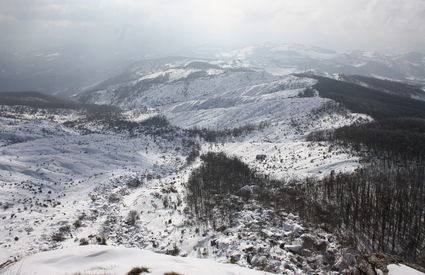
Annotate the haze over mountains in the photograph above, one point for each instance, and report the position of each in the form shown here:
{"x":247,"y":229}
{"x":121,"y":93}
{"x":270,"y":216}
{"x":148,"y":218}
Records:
{"x":65,"y":72}
{"x":191,"y":136}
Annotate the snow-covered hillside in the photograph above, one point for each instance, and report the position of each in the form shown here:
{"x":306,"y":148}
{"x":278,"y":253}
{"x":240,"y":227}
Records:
{"x":119,"y":260}
{"x":235,"y":98}
{"x":217,"y":98}
{"x":75,"y":177}
{"x":62,"y":185}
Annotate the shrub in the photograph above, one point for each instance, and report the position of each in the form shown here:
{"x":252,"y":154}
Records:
{"x":101,"y":240}
{"x":58,"y":237}
{"x":138,"y":270}
{"x":84,"y":241}
{"x":174,"y":251}
{"x":77,"y":223}
{"x":134,"y":183}
{"x":65,"y":229}
{"x":114,"y":197}
{"x":132,"y":217}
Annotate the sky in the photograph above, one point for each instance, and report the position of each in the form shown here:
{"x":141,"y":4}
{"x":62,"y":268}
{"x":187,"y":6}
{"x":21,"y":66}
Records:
{"x":166,"y":26}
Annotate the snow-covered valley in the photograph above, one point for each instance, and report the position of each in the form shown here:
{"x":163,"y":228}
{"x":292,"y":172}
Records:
{"x":67,"y":181}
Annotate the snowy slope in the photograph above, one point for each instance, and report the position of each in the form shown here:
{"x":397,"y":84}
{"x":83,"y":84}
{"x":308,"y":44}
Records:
{"x":219,"y":100}
{"x":118,"y":260}
{"x":400,"y":269}
{"x":61,"y":186}
{"x":48,"y":171}
{"x":66,"y":180}
{"x":237,"y":98}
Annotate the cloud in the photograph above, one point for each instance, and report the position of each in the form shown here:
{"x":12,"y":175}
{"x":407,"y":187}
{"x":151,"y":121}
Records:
{"x":162,"y":24}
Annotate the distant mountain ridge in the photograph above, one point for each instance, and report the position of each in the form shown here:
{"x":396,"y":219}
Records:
{"x":65,"y":72}
{"x":286,"y":58}
{"x":35,"y":99}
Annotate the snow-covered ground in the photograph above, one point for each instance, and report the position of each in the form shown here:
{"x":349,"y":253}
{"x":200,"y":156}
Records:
{"x":237,"y":98}
{"x":109,"y":260}
{"x":118,"y":260}
{"x":60,"y":187}
{"x":400,"y":269}
{"x":55,"y":180}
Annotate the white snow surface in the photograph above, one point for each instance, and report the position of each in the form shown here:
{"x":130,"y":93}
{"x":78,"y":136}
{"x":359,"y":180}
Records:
{"x":235,"y":99}
{"x":109,"y":260}
{"x":55,"y":178}
{"x":400,"y":269}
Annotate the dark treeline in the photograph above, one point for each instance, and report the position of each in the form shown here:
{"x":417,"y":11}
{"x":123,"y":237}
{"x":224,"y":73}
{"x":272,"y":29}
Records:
{"x":94,"y":112}
{"x":35,"y":100}
{"x":359,"y":99}
{"x":389,"y":86}
{"x":380,"y":207}
{"x":398,"y":138}
{"x":216,"y":189}
{"x":377,"y":208}
{"x":224,"y":135}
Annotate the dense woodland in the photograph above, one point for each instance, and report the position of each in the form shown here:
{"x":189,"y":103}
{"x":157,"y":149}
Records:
{"x":389,"y":86}
{"x":214,"y":189}
{"x":359,"y":99}
{"x":377,"y":208}
{"x":398,"y":138}
{"x":382,"y":206}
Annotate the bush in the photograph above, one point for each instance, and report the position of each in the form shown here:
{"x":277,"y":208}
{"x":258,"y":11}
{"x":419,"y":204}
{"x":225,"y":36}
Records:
{"x":114,"y":197}
{"x":77,"y":224}
{"x":84,"y":241}
{"x":65,"y":229}
{"x":101,"y":240}
{"x":132,"y":217}
{"x":134,"y":182}
{"x":58,"y":237}
{"x":174,"y":251}
{"x":138,"y":270}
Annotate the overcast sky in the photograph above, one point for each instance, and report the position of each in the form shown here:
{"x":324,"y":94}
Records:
{"x":167,"y":25}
